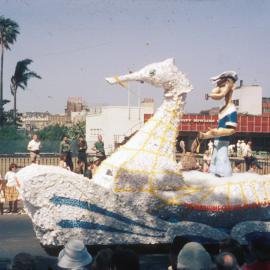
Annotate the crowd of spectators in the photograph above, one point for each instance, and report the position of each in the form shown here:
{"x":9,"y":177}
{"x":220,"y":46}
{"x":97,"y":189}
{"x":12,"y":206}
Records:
{"x":183,"y":255}
{"x":83,"y":165}
{"x":9,"y":184}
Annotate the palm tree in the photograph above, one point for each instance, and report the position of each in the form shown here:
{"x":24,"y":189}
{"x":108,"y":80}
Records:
{"x":8,"y":33}
{"x":20,"y":79}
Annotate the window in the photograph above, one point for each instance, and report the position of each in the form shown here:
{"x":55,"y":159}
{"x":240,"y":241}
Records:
{"x":95,"y":131}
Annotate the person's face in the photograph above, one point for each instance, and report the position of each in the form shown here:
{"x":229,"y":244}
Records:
{"x":65,"y":138}
{"x":35,"y":137}
{"x":14,"y":169}
{"x":100,"y":138}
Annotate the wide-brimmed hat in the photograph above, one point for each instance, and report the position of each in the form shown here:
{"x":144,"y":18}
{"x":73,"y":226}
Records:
{"x":74,"y":255}
{"x":193,"y":256}
{"x":226,"y":74}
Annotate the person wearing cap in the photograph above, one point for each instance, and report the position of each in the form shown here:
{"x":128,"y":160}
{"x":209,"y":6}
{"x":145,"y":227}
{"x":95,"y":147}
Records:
{"x":227,"y":123}
{"x":193,"y":256}
{"x":74,"y":256}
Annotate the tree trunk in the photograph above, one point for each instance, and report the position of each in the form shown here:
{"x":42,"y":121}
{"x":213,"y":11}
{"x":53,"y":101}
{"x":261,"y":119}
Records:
{"x":1,"y":87}
{"x":15,"y":107}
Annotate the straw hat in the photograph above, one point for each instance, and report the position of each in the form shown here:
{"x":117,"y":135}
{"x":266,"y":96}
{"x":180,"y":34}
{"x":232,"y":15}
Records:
{"x":74,"y":255}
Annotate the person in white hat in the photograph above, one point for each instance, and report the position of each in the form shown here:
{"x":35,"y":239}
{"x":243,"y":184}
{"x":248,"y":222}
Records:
{"x":74,"y":256}
{"x":227,"y":123}
{"x":193,"y":256}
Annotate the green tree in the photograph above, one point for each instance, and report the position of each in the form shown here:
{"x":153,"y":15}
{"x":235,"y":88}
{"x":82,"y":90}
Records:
{"x":76,"y":130}
{"x":20,"y":79}
{"x":53,"y":132}
{"x":8,"y":33}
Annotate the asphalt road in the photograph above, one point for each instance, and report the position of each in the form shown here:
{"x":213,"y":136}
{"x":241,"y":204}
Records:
{"x":17,"y":235}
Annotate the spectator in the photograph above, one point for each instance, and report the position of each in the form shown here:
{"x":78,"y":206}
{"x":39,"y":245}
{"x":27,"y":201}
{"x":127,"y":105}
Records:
{"x":237,"y":166}
{"x":193,"y":256}
{"x":182,"y":146}
{"x":249,"y":158}
{"x":231,"y":150}
{"x":125,"y":259}
{"x":206,"y":161}
{"x":65,"y":149}
{"x":260,"y":247}
{"x":34,"y":149}
{"x":238,"y":149}
{"x":226,"y":261}
{"x":243,"y":148}
{"x":210,"y":147}
{"x":24,"y":261}
{"x":177,"y":245}
{"x":82,"y":148}
{"x":232,"y":246}
{"x":253,"y":167}
{"x":88,"y":171}
{"x":74,"y":256}
{"x":11,"y":192}
{"x":2,"y":195}
{"x":103,"y":260}
{"x":99,"y":148}
{"x":62,"y":162}
{"x":79,"y":167}
{"x":96,"y":162}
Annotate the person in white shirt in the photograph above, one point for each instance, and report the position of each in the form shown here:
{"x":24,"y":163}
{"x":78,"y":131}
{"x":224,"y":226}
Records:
{"x":210,"y":147}
{"x":11,"y":192}
{"x":34,"y":149}
{"x":238,"y":149}
{"x":243,"y":148}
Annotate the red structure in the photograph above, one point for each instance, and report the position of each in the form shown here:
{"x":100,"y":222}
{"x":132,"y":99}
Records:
{"x":246,"y":123}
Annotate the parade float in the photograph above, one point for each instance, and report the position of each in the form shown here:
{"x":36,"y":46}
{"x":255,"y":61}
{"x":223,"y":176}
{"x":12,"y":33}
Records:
{"x":139,"y":195}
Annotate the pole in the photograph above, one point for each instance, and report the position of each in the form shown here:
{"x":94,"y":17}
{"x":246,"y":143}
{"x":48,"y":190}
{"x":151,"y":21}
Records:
{"x":139,"y":100}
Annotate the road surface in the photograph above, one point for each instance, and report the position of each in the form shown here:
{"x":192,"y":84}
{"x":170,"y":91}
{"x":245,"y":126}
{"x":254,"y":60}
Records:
{"x":17,"y":235}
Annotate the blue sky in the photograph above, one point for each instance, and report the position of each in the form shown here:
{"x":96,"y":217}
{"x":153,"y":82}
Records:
{"x":76,"y":43}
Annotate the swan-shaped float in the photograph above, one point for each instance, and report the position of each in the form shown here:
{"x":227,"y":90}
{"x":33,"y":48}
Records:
{"x":139,"y":195}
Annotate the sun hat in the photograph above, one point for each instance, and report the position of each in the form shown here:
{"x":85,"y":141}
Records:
{"x":74,"y":255}
{"x":193,"y":256}
{"x":226,"y":74}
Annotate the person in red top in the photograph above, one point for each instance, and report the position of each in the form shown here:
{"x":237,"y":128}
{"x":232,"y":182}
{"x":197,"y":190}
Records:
{"x":260,"y":248}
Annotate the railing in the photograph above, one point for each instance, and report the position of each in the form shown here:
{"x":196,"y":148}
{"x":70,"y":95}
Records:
{"x":264,"y":162}
{"x":23,"y":160}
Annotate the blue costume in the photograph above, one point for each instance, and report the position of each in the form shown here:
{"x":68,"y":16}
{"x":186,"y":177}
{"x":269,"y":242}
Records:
{"x":220,"y":163}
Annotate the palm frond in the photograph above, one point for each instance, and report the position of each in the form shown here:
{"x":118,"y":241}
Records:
{"x":22,"y":74}
{"x":9,"y":30}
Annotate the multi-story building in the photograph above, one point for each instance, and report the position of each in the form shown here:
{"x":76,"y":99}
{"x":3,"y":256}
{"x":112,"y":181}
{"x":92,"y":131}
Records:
{"x":35,"y":120}
{"x":75,"y":104}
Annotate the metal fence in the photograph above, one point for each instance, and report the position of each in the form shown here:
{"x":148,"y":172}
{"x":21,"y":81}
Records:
{"x":23,"y":160}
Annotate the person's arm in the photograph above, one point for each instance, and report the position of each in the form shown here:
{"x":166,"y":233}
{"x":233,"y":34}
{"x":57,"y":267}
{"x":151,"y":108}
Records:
{"x":216,"y":132}
{"x":94,"y":147}
{"x":221,"y":90}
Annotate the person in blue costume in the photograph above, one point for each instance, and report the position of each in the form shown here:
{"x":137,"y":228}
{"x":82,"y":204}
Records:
{"x":227,"y":122}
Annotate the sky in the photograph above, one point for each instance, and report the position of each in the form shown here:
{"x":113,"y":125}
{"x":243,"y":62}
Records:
{"x":75,"y":44}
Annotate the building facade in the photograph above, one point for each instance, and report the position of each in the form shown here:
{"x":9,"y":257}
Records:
{"x":248,"y":99}
{"x":115,"y":123}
